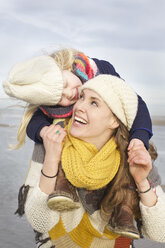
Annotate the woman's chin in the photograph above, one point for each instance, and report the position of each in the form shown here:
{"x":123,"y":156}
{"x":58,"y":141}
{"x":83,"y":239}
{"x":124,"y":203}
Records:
{"x":76,"y":133}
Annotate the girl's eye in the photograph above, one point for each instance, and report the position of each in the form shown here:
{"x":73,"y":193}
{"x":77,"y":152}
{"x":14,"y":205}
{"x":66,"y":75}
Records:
{"x":81,"y":96}
{"x":65,"y":84}
{"x":94,"y":103}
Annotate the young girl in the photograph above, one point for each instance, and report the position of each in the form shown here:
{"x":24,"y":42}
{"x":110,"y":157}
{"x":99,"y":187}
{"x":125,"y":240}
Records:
{"x":55,"y":79}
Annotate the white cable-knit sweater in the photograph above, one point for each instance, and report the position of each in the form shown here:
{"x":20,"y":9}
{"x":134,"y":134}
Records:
{"x":57,"y":225}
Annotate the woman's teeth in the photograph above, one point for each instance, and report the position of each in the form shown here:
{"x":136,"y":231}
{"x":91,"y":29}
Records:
{"x":80,"y":120}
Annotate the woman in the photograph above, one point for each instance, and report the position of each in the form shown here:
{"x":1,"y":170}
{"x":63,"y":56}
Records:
{"x":94,"y":129}
{"x":56,"y":79}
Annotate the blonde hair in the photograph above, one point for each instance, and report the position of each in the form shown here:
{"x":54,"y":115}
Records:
{"x":64,"y":59}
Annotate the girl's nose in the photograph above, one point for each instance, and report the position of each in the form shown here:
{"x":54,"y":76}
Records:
{"x":67,"y":93}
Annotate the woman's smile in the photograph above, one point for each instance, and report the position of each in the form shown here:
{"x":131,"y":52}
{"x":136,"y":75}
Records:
{"x":79,"y":121}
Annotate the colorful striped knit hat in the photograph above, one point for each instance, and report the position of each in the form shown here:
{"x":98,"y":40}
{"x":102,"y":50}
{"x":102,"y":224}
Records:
{"x":82,"y":67}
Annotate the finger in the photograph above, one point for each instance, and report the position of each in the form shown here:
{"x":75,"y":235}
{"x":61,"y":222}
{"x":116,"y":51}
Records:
{"x":47,"y":132}
{"x":55,"y":129}
{"x":58,"y":132}
{"x":137,"y":148}
{"x":135,"y":155}
{"x":49,"y":129}
{"x":62,"y":137}
{"x":50,"y":134}
{"x":55,"y":135}
{"x":141,"y":150}
{"x":139,"y":162}
{"x":59,"y":129}
{"x":142,"y":161}
{"x":130,"y":145}
{"x":43,"y":130}
{"x":131,"y":160}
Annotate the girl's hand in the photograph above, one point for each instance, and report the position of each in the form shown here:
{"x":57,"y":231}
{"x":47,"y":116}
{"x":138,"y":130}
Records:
{"x":140,"y":163}
{"x":53,"y":137}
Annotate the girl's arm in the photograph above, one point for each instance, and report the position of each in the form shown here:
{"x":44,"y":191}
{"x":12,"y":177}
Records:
{"x":142,"y":126}
{"x":37,"y":122}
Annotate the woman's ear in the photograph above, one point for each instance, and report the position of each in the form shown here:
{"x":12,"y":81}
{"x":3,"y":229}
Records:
{"x":114,"y":123}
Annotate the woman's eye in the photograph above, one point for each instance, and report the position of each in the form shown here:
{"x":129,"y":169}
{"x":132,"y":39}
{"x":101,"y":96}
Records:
{"x":94,"y":103}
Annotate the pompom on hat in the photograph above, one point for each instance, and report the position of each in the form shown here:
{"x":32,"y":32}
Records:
{"x":117,"y":94}
{"x":37,"y":81}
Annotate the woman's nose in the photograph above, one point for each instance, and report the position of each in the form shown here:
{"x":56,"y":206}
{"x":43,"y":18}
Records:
{"x":81,"y":105}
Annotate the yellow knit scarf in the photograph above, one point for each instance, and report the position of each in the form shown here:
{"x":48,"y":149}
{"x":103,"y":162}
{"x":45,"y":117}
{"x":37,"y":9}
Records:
{"x":87,"y":167}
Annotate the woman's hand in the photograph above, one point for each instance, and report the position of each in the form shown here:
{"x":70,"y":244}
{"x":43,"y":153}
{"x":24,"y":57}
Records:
{"x":140,"y":163}
{"x":134,"y":143}
{"x":53,"y":137}
{"x":43,"y":130}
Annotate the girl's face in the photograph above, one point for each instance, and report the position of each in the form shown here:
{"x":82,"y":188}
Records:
{"x":70,"y":92}
{"x":92,"y":119}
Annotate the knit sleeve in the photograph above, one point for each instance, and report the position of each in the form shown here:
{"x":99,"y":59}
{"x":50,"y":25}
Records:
{"x":153,"y":218}
{"x":105,"y":67}
{"x":41,"y":218}
{"x":142,"y":126}
{"x":37,"y":122}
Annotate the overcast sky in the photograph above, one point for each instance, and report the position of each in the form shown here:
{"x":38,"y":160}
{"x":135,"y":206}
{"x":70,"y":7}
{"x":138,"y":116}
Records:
{"x":128,"y":33}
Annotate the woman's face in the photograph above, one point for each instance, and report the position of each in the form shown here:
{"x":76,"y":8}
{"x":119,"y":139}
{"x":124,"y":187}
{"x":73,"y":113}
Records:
{"x":70,"y":92}
{"x":92,"y":120}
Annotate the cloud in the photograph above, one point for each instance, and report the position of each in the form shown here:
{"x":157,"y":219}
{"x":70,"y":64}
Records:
{"x":119,"y":24}
{"x":130,"y":34}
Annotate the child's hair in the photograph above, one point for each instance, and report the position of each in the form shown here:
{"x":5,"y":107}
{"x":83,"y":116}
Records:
{"x":64,"y":59}
{"x":123,"y":181}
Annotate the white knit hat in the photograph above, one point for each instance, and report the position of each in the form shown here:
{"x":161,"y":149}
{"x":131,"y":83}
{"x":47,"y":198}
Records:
{"x":37,"y":81}
{"x":118,"y":95}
